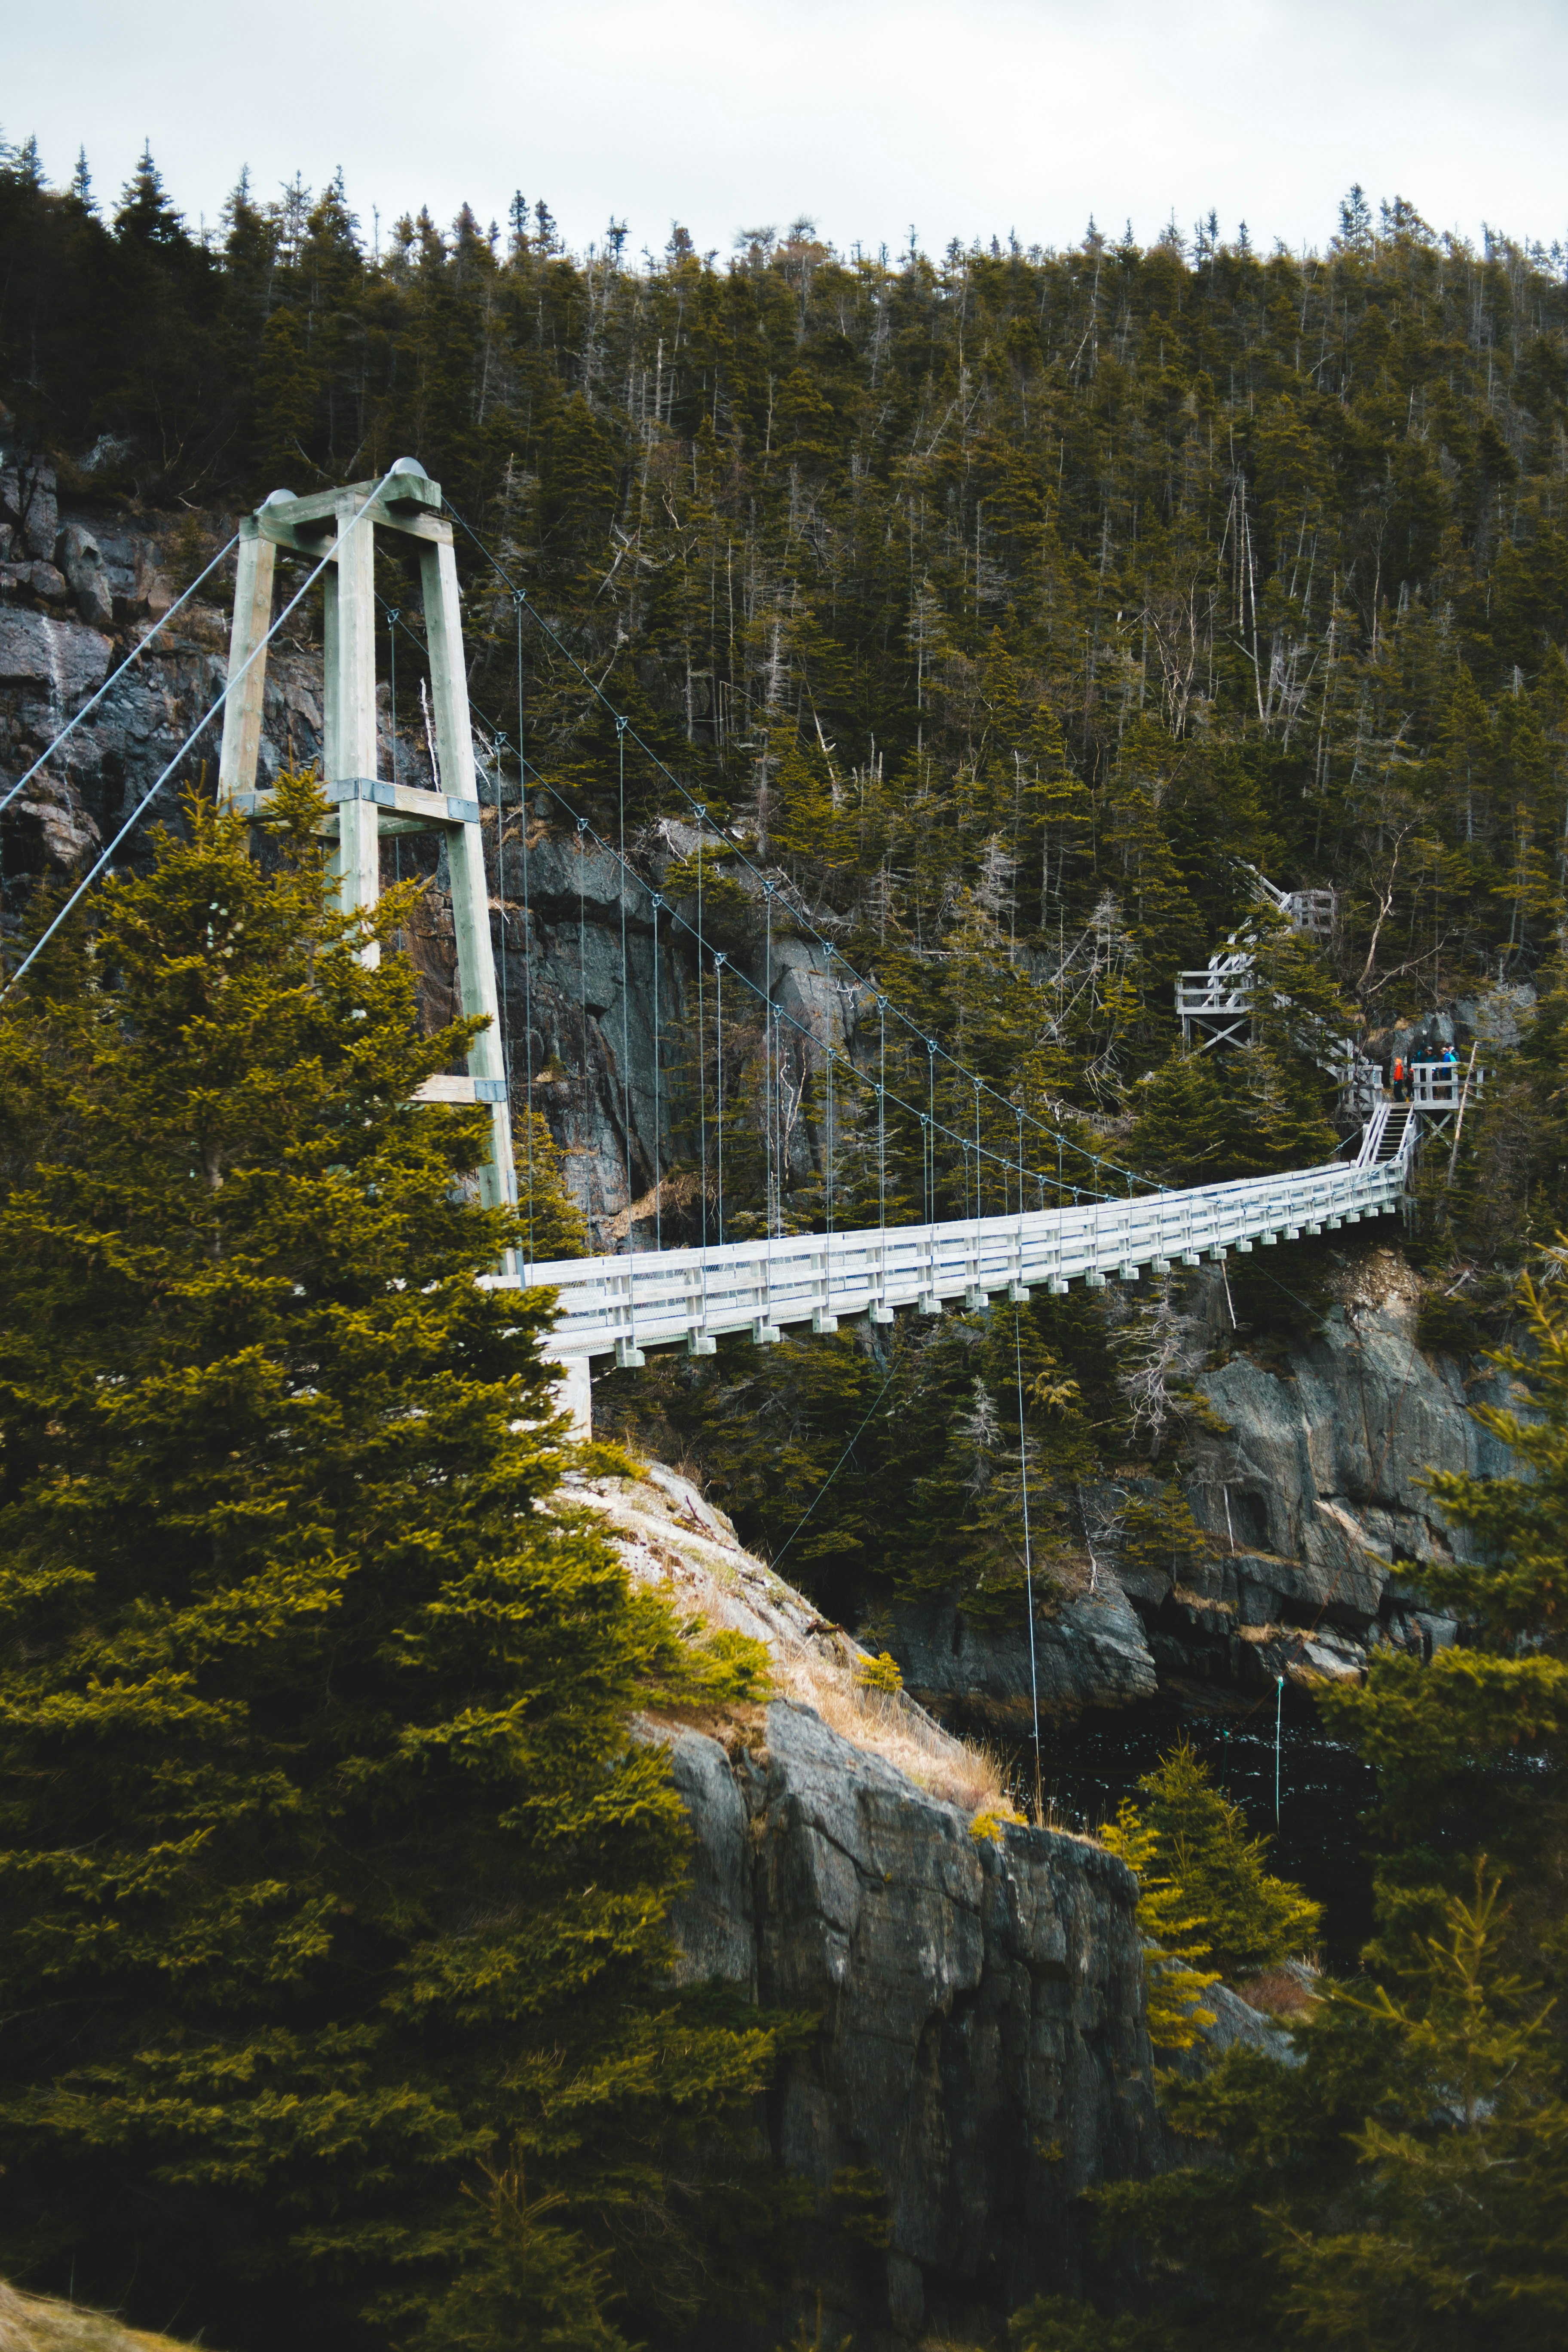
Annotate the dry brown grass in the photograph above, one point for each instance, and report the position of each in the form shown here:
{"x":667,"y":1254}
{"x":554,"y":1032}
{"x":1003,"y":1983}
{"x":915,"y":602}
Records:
{"x":700,"y":1563}
{"x":31,"y":2323}
{"x":1280,"y":1993}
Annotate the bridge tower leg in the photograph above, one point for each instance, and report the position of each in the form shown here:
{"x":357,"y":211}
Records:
{"x":340,"y":524}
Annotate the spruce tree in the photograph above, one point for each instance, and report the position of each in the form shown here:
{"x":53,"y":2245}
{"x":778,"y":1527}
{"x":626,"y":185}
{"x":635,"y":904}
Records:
{"x":331,"y":1882}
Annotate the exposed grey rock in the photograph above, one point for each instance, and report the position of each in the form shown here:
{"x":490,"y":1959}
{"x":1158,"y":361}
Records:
{"x":713,"y":1923}
{"x":1322,"y":1470}
{"x":1089,"y":1651}
{"x":27,"y":499}
{"x":80,"y":558}
{"x":1236,"y":2025}
{"x":981,"y":2046}
{"x":40,"y":579}
{"x":60,"y":655}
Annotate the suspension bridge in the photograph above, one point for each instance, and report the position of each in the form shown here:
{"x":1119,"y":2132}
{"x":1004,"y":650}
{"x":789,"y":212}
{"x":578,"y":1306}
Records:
{"x":617,"y":1305}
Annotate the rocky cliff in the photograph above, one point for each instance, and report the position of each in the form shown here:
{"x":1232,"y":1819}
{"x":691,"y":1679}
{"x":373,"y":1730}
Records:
{"x":1304,"y":1474}
{"x":979,"y":2057}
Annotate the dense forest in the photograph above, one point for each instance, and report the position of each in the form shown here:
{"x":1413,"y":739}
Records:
{"x":1013,"y":608}
{"x":1013,"y":601}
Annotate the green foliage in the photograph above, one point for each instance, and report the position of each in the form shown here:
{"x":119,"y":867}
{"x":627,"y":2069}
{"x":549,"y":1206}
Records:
{"x":1198,"y":1843}
{"x":963,"y":714}
{"x":1406,"y":2183}
{"x":880,"y":1674}
{"x":1518,"y":1522}
{"x":928,"y":1498}
{"x":1403,"y":2185}
{"x":1173,"y":1992}
{"x":331,"y":1882}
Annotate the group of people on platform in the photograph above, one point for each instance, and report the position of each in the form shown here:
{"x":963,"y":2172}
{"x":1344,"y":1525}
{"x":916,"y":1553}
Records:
{"x":1401,"y":1072}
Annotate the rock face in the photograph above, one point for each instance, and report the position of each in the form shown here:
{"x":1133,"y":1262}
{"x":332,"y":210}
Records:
{"x":1091,"y":1651}
{"x":981,"y":2058}
{"x":1320,"y":1471}
{"x":1308,"y":1492}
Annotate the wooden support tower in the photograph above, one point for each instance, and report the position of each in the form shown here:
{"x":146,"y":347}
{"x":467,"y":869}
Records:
{"x":366,"y":805}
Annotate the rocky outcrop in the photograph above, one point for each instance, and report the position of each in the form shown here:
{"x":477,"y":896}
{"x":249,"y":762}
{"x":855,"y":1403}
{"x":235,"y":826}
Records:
{"x":1312,"y":1496}
{"x":1306,"y":1486}
{"x":1090,"y":1649}
{"x":37,"y":2323}
{"x":979,"y":2058}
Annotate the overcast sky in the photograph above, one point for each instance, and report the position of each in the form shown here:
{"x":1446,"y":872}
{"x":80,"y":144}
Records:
{"x":975,"y":118}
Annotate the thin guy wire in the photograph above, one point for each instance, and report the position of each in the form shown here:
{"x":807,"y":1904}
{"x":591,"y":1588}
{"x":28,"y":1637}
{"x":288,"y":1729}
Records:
{"x":833,"y":1474}
{"x":137,"y":650}
{"x":199,"y":729}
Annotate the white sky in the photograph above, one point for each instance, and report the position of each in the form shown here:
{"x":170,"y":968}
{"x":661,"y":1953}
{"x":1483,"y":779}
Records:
{"x":868,"y":114}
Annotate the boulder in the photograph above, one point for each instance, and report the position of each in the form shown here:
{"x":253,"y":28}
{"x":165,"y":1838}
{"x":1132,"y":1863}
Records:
{"x":80,"y":558}
{"x":29,"y":499}
{"x":1090,"y":1649}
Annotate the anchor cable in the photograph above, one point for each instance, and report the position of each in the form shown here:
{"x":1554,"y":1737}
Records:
{"x":134,"y":655}
{"x":143,"y":805}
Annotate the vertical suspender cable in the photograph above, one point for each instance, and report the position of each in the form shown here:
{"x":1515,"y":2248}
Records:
{"x":830,"y":1202}
{"x":719,"y":961}
{"x":391,"y":618}
{"x":1028,"y":1567}
{"x":882,"y":1118}
{"x":501,"y":904}
{"x":626,"y":987}
{"x":582,"y":1015}
{"x":701,"y":1077}
{"x":768,"y":1057}
{"x":527,"y":939}
{"x":657,"y":1179}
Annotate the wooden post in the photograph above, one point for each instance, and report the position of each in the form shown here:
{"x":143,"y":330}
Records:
{"x":351,"y":669}
{"x":465,"y":851}
{"x":411,"y":504}
{"x":252,"y":617}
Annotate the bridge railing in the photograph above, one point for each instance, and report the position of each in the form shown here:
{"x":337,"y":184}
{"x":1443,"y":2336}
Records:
{"x":1443,"y":1086}
{"x":656,"y":1298}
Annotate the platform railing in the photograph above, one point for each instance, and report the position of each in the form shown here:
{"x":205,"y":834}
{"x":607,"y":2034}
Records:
{"x":1444,"y":1086}
{"x":663,"y":1297}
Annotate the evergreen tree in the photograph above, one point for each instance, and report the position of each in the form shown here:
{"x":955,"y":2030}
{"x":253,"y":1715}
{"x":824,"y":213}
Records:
{"x":332,"y":1886}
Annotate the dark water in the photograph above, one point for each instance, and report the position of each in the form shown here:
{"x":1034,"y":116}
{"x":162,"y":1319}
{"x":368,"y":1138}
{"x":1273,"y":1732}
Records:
{"x":1089,"y":1766}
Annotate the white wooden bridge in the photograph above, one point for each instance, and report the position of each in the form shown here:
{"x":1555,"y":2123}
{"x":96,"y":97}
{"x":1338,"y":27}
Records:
{"x":656,"y":1298}
{"x":620,"y":1305}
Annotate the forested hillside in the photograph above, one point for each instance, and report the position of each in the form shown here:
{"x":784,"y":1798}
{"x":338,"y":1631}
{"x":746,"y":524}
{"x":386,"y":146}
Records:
{"x":1007,"y":612}
{"x":1010,"y":598}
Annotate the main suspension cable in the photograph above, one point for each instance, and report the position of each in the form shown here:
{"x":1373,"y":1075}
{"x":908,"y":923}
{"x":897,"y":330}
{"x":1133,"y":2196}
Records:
{"x":585,"y":831}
